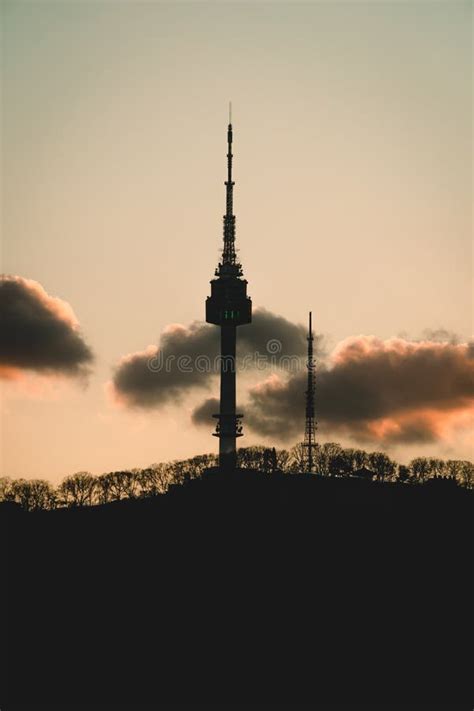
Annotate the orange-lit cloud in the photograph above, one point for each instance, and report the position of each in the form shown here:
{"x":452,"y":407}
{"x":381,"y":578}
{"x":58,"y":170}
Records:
{"x":39,"y":333}
{"x":9,"y":373}
{"x":388,"y":392}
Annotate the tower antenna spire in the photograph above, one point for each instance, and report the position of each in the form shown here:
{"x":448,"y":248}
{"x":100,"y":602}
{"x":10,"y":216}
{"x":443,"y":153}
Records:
{"x":310,"y":424}
{"x":229,"y":266}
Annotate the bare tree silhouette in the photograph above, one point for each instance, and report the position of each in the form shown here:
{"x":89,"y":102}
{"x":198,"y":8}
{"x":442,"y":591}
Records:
{"x":381,"y":464}
{"x":420,"y":468}
{"x":77,"y":489}
{"x":30,"y":494}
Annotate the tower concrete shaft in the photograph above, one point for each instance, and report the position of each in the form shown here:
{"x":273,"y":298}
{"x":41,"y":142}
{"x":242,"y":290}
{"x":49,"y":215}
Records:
{"x":228,"y":307}
{"x":310,"y":423}
{"x":229,"y":427}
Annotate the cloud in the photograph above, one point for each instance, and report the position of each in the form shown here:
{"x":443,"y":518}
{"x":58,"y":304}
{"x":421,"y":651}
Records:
{"x":38,"y":332}
{"x":393,"y":391}
{"x":276,"y":406}
{"x":153,"y":377}
{"x":158,"y":375}
{"x":188,"y":358}
{"x":202,"y":415}
{"x":440,"y":335}
{"x":269,"y":333}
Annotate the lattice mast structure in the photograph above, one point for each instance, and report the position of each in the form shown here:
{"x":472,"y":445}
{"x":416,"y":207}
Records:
{"x":228,"y":306}
{"x":310,"y":423}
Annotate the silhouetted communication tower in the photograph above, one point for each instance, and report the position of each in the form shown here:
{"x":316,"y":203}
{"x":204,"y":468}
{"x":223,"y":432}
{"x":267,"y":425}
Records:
{"x":311,"y":424}
{"x":228,"y":306}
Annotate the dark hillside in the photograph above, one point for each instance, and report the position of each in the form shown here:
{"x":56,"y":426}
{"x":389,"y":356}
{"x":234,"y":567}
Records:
{"x":247,"y":588}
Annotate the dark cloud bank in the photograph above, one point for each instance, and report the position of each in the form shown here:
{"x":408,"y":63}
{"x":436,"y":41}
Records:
{"x":187,"y":358}
{"x":38,"y":332}
{"x":390,"y":391}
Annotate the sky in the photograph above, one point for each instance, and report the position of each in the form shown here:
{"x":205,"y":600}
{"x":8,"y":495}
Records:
{"x":353,"y":160}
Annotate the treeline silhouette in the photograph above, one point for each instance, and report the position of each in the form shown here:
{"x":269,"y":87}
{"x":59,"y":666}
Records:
{"x":181,"y":584}
{"x":331,"y":460}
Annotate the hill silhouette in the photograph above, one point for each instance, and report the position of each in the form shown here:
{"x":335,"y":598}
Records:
{"x":243,"y":587}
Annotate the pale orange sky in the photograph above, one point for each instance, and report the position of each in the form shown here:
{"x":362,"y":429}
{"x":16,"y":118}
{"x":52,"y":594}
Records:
{"x":353,"y":187}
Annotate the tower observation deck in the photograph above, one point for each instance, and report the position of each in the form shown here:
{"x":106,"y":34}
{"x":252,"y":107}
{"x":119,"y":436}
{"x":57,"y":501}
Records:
{"x":228,"y":306}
